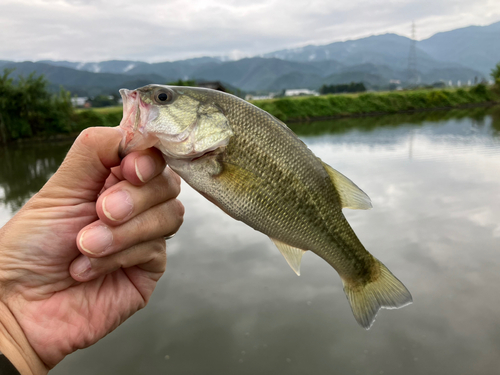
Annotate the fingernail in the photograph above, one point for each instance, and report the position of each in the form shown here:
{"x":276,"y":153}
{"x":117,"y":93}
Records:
{"x":144,"y":167}
{"x":81,"y":266}
{"x":118,"y":205}
{"x":96,"y":240}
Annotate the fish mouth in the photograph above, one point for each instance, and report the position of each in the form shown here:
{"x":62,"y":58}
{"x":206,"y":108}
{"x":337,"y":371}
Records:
{"x":136,"y":115}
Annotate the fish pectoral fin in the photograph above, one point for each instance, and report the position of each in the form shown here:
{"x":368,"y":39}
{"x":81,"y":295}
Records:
{"x":292,"y":255}
{"x":351,"y":196}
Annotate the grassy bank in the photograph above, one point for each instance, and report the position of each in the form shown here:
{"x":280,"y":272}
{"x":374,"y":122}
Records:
{"x":308,"y":108}
{"x":108,"y":116}
{"x":328,"y":106}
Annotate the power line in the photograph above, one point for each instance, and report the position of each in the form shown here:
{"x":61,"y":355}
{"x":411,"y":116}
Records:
{"x":413,"y":78}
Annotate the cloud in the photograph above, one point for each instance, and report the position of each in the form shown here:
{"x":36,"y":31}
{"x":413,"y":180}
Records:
{"x":95,"y":30}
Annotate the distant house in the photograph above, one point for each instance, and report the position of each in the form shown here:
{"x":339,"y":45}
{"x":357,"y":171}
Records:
{"x":214,"y":85}
{"x":299,"y":92}
{"x":80,"y":101}
{"x":259,"y":97}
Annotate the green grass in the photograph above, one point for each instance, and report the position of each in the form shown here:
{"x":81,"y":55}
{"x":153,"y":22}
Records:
{"x":108,"y":116}
{"x":103,"y":110}
{"x":307,"y":108}
{"x":327,"y":106}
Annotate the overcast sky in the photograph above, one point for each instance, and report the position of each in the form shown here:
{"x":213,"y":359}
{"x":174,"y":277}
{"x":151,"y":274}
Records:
{"x":160,"y":30}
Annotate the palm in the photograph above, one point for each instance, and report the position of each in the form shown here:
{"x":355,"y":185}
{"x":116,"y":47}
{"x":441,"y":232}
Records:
{"x":60,"y":306}
{"x":57,"y":313}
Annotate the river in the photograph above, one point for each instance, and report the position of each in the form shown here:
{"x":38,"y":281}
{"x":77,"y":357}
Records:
{"x":229,"y":303}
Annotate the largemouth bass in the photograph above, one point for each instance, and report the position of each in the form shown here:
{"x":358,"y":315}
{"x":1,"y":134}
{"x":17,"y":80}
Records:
{"x":255,"y":169}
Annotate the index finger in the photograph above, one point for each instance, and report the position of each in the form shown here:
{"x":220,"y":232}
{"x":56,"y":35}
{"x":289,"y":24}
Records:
{"x":86,"y":167}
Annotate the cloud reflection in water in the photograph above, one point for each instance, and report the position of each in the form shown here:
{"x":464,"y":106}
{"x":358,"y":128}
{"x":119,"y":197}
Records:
{"x":229,"y":303}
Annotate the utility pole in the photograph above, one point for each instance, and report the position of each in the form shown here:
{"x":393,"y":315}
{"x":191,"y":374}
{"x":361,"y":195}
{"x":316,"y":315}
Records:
{"x":413,"y":79}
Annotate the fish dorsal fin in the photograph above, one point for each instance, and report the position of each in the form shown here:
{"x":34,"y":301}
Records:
{"x":292,"y":255}
{"x":351,"y":196}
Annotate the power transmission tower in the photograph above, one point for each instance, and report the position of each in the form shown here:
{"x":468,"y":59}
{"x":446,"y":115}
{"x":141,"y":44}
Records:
{"x":413,"y":78}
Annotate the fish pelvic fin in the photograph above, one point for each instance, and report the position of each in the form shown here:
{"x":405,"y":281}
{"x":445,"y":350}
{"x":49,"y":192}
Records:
{"x":351,"y":196}
{"x":386,"y":291}
{"x":292,"y":255}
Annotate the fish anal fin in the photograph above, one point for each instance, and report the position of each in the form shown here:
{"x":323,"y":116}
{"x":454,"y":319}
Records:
{"x":351,"y":196}
{"x":386,"y":291}
{"x":292,"y":255}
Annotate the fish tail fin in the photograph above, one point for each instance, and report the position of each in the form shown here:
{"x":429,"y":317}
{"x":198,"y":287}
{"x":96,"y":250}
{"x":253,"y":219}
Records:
{"x":386,"y":291}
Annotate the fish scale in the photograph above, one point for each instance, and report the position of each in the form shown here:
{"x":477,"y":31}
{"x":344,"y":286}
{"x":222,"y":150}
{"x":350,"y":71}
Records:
{"x":319,"y":231}
{"x":254,"y":168}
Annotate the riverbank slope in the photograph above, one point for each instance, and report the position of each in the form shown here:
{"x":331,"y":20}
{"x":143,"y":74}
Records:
{"x":332,"y":106}
{"x":344,"y":105}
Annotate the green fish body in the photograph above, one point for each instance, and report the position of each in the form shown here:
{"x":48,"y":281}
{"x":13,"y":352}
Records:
{"x":255,"y":169}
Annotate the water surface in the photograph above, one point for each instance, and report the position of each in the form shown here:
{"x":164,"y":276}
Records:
{"x":230,"y":304}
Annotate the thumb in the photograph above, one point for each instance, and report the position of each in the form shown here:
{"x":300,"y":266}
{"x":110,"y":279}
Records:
{"x":86,"y":167}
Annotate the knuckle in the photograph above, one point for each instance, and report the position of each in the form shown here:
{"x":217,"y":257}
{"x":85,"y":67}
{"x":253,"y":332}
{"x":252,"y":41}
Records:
{"x":177,"y":178}
{"x":159,"y":246}
{"x":161,"y":260}
{"x":174,"y":176}
{"x":86,"y":136}
{"x":158,"y":258}
{"x":175,"y":186}
{"x":178,"y":209}
{"x":105,"y":266}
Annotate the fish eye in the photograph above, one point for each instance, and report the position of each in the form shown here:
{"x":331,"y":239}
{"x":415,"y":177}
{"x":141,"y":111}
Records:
{"x":163,"y":97}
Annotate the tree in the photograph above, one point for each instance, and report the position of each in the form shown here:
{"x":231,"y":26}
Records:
{"x":495,"y":73}
{"x":180,"y":82}
{"x":342,"y":88}
{"x":104,"y":101}
{"x":27,"y":108}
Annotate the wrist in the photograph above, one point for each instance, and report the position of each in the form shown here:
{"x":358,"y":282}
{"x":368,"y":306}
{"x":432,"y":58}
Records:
{"x":15,"y":346}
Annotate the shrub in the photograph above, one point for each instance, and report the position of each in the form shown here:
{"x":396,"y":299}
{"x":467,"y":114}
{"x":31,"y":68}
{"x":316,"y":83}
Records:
{"x":301,"y":108}
{"x":27,"y":108}
{"x":495,"y":74}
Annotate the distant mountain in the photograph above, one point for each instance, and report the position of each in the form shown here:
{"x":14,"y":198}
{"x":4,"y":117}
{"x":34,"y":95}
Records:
{"x":473,"y":47}
{"x":451,"y":74}
{"x":255,"y":73}
{"x":82,"y":82}
{"x":175,"y":70}
{"x":389,"y":49}
{"x":327,"y":66}
{"x":251,"y":75}
{"x":476,"y":47}
{"x":112,"y":66}
{"x":294,"y":80}
{"x":137,"y":67}
{"x":462,"y":55}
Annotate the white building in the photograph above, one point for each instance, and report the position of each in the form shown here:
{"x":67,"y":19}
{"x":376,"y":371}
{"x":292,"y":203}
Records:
{"x":79,"y":101}
{"x":298,"y":92}
{"x":258,"y":97}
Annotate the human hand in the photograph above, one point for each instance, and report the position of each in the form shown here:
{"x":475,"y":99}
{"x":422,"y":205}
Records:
{"x":96,"y":211}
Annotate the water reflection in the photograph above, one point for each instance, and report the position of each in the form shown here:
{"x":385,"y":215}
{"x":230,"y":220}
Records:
{"x":370,"y":123}
{"x":229,"y":303}
{"x":25,"y":168}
